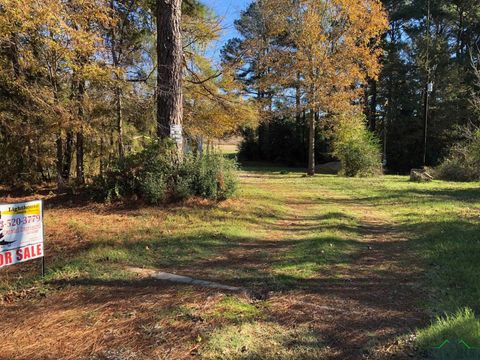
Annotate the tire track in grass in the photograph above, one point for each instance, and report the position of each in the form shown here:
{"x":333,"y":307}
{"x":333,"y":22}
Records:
{"x":364,"y":306}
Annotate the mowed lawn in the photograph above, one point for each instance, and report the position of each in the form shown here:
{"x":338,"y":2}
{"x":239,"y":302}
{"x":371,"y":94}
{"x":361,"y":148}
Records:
{"x":332,"y":268}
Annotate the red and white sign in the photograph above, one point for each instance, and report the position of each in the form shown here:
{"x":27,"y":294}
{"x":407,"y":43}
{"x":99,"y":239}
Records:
{"x":21,"y":232}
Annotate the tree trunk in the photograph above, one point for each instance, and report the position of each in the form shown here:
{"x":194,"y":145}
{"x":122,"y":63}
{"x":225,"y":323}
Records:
{"x":102,"y":156}
{"x":59,"y":143}
{"x":370,"y":109}
{"x":170,"y":66}
{"x":68,"y":155}
{"x":304,"y":134}
{"x":80,"y":155}
{"x":298,"y":110}
{"x":311,"y":144}
{"x":116,"y":54}
{"x":119,"y":109}
{"x":13,"y":53}
{"x":372,"y":121}
{"x":80,"y":136}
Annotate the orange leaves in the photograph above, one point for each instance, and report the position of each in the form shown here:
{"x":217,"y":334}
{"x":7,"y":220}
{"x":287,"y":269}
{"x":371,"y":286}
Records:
{"x":330,"y":45}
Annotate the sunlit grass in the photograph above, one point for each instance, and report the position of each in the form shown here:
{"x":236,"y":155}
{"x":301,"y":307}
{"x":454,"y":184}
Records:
{"x":236,"y":310}
{"x":454,"y":336}
{"x":263,"y":340}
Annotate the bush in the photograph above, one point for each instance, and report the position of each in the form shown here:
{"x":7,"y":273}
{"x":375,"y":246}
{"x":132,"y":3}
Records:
{"x":216,"y":177}
{"x":463,"y":163}
{"x":356,"y":148}
{"x":157,"y":175}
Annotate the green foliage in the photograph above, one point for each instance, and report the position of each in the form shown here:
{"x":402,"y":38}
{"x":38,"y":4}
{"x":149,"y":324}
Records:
{"x":463,"y":163}
{"x":403,"y":77}
{"x":356,"y":148}
{"x":157,"y":175}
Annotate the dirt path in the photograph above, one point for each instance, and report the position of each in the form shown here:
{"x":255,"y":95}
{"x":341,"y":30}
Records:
{"x":362,"y":309}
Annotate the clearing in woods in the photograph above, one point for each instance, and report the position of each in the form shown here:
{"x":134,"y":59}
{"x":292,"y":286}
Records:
{"x":335,"y":269}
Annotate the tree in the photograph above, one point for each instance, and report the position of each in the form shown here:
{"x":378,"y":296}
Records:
{"x":215,"y":103}
{"x":328,"y":49}
{"x":55,"y":49}
{"x":475,"y":60}
{"x":169,"y":67}
{"x":128,"y":45}
{"x":244,"y":56}
{"x":448,"y":38}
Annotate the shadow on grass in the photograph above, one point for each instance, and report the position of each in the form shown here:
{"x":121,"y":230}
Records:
{"x":315,"y":268}
{"x":451,"y":250}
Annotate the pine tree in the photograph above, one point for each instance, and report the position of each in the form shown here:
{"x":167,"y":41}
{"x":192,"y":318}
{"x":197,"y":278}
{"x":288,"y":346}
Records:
{"x":169,"y":67}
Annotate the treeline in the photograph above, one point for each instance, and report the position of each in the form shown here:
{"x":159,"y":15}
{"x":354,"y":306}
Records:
{"x":84,"y":84}
{"x":426,"y":42}
{"x":306,"y":62}
{"x":81,"y":82}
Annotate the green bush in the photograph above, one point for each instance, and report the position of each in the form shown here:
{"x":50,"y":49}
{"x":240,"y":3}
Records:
{"x":356,"y":148}
{"x":216,"y":177}
{"x":463,"y":163}
{"x":157,"y":175}
{"x":154,"y":188}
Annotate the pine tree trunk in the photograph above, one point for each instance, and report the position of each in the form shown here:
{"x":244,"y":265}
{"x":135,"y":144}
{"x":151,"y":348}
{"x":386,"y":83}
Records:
{"x":118,"y":91}
{"x":80,"y":136}
{"x":13,"y":53}
{"x":102,"y":156}
{"x":298,"y":109}
{"x":311,"y":144}
{"x":170,"y":66}
{"x":80,"y":155}
{"x":119,"y":109}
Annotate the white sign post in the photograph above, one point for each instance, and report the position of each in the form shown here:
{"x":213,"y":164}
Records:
{"x":21,"y":233}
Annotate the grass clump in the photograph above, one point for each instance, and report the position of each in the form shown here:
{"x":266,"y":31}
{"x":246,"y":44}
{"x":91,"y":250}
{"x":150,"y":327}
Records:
{"x":265,"y":341}
{"x":454,"y":336}
{"x":234,"y":309}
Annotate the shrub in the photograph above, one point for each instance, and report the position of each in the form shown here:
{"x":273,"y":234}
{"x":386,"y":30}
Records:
{"x":216,"y":177}
{"x":356,"y":148}
{"x":463,"y":163}
{"x":157,"y":175}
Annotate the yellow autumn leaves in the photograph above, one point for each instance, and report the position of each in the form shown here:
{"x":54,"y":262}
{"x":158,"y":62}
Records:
{"x":326,"y":47}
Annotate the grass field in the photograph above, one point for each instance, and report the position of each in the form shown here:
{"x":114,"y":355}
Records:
{"x":335,"y":268}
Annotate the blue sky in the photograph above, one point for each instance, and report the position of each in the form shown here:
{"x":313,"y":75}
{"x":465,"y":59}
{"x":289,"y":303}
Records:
{"x":228,"y":11}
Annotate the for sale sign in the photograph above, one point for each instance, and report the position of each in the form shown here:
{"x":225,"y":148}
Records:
{"x":21,"y":232}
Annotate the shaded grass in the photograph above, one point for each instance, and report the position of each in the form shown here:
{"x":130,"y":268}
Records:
{"x":442,"y":220}
{"x":308,"y":257}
